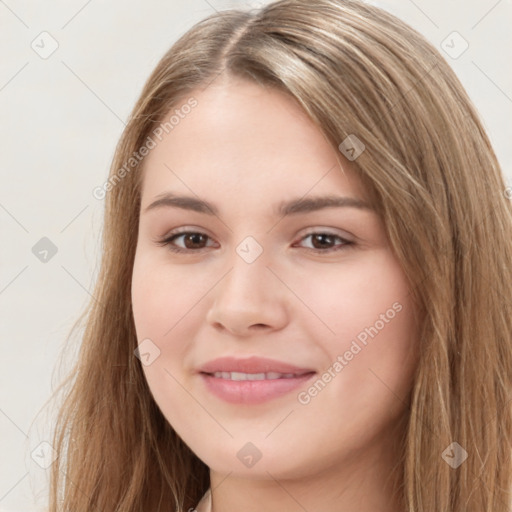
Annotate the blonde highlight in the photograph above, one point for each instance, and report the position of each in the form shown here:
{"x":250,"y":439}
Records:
{"x":434,"y":179}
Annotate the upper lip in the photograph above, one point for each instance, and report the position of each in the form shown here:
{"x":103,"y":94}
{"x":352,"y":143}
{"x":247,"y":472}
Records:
{"x":252,"y":365}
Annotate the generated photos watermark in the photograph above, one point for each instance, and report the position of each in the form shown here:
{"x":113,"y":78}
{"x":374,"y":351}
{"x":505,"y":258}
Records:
{"x":150,"y":143}
{"x":305,"y":397}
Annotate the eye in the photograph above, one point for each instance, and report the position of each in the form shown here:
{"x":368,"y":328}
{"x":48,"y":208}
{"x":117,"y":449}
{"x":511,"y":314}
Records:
{"x":193,"y":240}
{"x":319,"y":239}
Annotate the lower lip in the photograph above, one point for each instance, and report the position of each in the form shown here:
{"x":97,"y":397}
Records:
{"x":252,"y":391}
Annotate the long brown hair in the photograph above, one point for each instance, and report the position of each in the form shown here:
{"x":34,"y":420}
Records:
{"x":355,"y":70}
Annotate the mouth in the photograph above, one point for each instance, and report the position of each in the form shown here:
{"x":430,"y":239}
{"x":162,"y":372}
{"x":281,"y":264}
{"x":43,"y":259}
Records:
{"x":253,"y":365}
{"x":242,"y":376}
{"x":253,"y":388}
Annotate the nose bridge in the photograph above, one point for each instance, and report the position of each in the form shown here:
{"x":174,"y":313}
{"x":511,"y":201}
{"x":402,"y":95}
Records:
{"x":249,"y":270}
{"x":249,"y":293}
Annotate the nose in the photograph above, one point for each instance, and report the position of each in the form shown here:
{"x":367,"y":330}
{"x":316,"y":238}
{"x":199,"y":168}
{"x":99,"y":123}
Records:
{"x":249,"y":299}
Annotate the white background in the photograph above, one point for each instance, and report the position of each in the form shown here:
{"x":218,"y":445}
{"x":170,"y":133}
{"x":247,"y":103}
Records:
{"x":61,"y":118}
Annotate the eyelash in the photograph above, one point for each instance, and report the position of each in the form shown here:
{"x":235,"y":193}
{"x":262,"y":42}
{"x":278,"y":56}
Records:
{"x":167,"y":241}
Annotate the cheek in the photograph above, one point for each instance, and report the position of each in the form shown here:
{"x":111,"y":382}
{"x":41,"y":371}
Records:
{"x":349,"y":297}
{"x":161,"y":297}
{"x":368,"y":320}
{"x":162,"y":315}
{"x":168,"y":309}
{"x":370,"y":358}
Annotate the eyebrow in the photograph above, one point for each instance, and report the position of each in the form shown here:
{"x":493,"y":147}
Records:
{"x":295,"y":206}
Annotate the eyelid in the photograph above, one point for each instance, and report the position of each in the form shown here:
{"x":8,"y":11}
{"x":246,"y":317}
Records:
{"x":329,"y":231}
{"x":317,"y":229}
{"x":165,"y":240}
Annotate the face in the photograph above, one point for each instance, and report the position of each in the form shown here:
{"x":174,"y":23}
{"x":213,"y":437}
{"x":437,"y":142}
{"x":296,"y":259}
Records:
{"x":317,"y":288}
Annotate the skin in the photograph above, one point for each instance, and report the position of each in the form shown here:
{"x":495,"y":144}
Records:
{"x":246,"y":148}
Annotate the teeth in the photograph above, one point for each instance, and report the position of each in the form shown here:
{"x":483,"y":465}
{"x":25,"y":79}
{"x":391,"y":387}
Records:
{"x":252,"y":376}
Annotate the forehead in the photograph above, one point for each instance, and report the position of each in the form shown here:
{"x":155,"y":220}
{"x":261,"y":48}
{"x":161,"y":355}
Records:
{"x":242,"y":138}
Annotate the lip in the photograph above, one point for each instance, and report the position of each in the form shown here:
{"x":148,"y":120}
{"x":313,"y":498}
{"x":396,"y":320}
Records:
{"x":252,"y":392}
{"x":252,"y":364}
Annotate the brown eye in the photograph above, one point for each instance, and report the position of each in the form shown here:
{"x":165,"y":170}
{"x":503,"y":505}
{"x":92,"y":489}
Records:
{"x":193,"y":241}
{"x":322,"y":239}
{"x":325,"y":242}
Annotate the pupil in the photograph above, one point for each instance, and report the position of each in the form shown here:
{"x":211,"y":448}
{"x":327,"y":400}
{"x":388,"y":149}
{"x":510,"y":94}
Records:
{"x":322,"y":238}
{"x":194,"y":237}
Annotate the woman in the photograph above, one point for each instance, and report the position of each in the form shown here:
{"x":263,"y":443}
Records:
{"x":306,"y":292}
